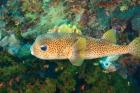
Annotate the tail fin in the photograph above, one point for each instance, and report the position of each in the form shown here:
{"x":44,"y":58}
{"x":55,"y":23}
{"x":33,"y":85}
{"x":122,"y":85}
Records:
{"x":134,"y":47}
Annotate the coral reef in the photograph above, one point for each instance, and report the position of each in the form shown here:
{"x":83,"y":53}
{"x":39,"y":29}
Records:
{"x":21,"y":21}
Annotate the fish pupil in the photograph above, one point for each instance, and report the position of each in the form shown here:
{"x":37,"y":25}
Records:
{"x":43,"y":47}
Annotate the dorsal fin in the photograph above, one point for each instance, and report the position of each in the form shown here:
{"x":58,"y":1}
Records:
{"x":110,"y":36}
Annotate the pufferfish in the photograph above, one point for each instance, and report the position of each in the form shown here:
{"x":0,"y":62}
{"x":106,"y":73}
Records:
{"x":77,"y":47}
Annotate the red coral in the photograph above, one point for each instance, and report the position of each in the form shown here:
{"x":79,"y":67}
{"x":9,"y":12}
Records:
{"x":107,"y":4}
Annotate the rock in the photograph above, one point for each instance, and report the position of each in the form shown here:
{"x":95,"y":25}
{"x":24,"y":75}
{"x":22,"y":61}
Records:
{"x":4,"y":41}
{"x":13,"y":44}
{"x":24,"y":51}
{"x":123,"y":8}
{"x":136,"y":23}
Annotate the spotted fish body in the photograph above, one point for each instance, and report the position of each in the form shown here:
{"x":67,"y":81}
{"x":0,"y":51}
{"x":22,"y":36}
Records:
{"x":75,"y":47}
{"x":58,"y":46}
{"x":99,"y":48}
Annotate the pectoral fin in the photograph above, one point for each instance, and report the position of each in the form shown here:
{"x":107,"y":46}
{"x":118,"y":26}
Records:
{"x":76,"y":61}
{"x":78,"y":52}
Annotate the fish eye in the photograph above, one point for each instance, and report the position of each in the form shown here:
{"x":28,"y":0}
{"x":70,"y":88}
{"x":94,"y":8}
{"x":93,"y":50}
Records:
{"x":43,"y":47}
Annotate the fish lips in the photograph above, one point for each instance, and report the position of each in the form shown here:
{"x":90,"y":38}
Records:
{"x":32,"y":53}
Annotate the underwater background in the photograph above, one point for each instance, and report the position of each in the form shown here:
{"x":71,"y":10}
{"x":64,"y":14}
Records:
{"x":21,"y":21}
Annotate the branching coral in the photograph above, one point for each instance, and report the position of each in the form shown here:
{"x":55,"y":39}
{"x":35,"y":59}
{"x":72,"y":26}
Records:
{"x":31,"y":6}
{"x":66,"y":28}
